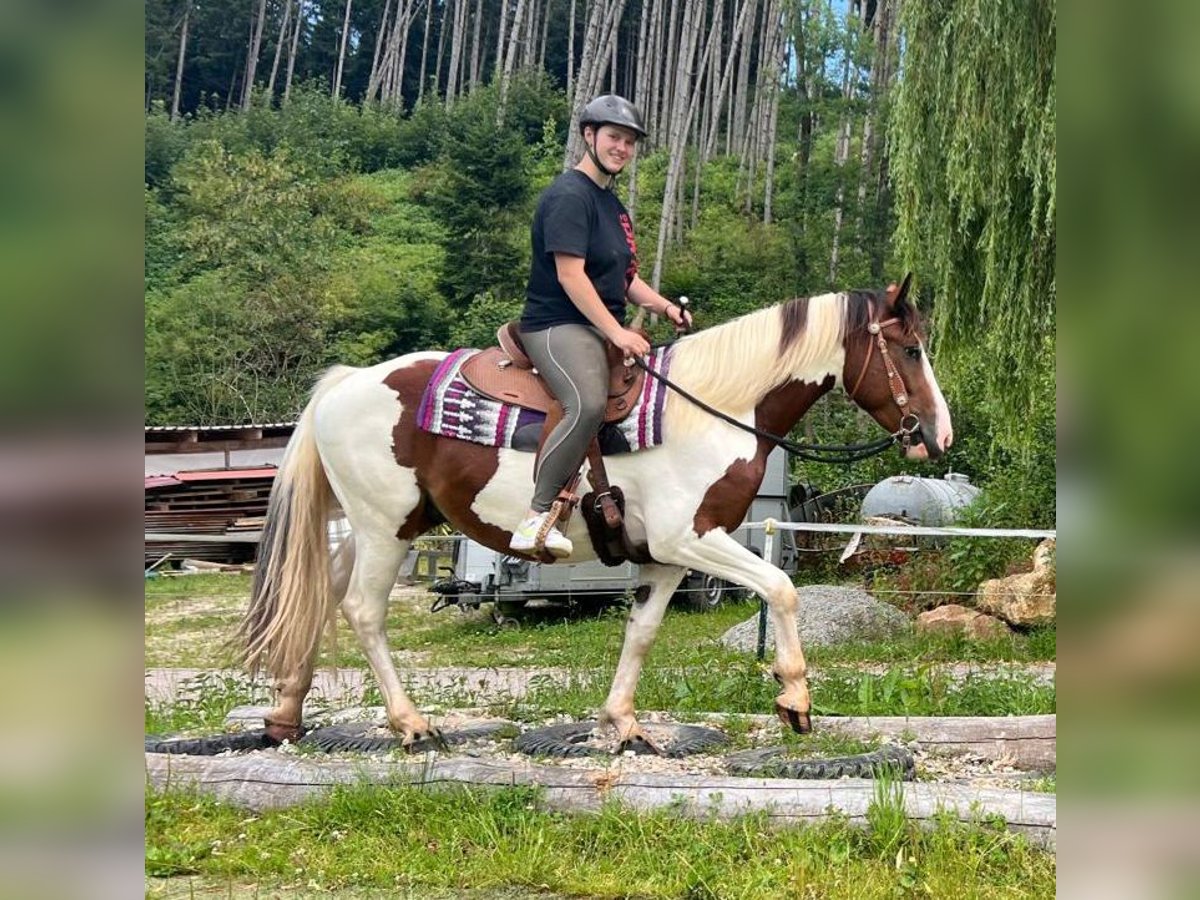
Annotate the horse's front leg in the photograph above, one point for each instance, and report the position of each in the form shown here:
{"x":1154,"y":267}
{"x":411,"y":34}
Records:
{"x":640,"y":629}
{"x":718,"y":554}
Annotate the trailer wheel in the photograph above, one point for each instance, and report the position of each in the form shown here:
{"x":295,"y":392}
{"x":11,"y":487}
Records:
{"x":704,"y":593}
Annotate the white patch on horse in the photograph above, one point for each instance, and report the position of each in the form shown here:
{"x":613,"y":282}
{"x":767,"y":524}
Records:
{"x":945,"y":429}
{"x":353,"y":429}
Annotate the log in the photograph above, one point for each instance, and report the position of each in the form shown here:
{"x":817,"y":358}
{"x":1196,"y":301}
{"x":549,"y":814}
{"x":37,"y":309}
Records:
{"x":272,"y":780}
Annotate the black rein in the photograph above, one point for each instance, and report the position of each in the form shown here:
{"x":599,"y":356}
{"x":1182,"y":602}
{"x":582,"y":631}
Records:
{"x":841,"y":454}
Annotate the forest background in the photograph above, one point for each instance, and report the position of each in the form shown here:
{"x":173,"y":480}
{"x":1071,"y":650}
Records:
{"x":342,"y":182}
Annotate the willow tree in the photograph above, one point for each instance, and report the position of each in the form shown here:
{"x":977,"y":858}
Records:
{"x":973,"y":169}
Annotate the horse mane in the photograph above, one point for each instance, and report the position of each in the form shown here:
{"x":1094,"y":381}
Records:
{"x":733,"y":365}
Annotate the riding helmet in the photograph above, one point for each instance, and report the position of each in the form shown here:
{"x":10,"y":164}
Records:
{"x":610,"y":109}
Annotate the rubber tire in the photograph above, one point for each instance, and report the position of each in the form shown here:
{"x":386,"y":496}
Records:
{"x":773,"y":763}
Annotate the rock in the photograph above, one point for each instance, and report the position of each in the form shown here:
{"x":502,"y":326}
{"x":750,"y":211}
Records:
{"x":827,"y":614}
{"x":1029,"y":598}
{"x":955,"y":619}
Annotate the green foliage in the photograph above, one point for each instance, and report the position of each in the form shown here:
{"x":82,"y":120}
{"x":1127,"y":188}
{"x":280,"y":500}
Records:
{"x":480,"y":197}
{"x":974,"y":168}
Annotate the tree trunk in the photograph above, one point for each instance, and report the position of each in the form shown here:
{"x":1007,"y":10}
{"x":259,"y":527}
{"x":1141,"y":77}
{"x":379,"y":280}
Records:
{"x":410,"y":10}
{"x":455,"y":50}
{"x":425,"y":50}
{"x":673,"y":42}
{"x":737,"y":120}
{"x":510,"y":57}
{"x":256,"y":32}
{"x":498,"y":66}
{"x":779,"y":67}
{"x":476,"y":47}
{"x":866,"y":216}
{"x":437,"y":69}
{"x":291,"y":67}
{"x":379,"y":64}
{"x":683,"y":108}
{"x":341,"y":61}
{"x":842,"y":150}
{"x":183,"y":38}
{"x":654,"y":73}
{"x":745,"y":17}
{"x":571,"y":51}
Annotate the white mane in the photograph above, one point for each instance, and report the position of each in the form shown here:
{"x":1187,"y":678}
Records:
{"x":733,"y":366}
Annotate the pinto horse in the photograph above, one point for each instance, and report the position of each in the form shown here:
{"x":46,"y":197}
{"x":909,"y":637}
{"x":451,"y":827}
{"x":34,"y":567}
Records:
{"x":357,"y":452}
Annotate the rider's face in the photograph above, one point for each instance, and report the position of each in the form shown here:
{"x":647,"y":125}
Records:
{"x":615,"y":146}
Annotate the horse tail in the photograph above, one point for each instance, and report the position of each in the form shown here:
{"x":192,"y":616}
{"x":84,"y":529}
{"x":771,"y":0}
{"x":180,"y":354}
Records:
{"x":291,"y":598}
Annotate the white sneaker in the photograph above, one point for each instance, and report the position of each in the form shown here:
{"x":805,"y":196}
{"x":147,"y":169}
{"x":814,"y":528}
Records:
{"x":525,"y":537}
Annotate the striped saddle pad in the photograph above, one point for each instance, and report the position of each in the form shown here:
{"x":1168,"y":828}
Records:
{"x":450,"y":407}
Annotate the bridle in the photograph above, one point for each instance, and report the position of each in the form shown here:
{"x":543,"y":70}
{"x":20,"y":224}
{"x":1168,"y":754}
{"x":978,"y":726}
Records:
{"x":899,"y":394}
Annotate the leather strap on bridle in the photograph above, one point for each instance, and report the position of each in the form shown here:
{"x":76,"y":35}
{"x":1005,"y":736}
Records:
{"x":899,"y":395}
{"x":878,"y":340}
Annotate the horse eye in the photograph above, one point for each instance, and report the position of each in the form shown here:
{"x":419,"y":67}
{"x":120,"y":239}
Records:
{"x":913,"y":352}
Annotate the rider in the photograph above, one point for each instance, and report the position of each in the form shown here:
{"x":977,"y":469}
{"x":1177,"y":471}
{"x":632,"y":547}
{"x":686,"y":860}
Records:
{"x":584,"y":270}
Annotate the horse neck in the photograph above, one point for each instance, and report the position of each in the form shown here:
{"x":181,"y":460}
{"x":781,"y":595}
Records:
{"x":784,"y":406}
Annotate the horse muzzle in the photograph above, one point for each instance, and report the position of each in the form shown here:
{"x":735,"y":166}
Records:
{"x":927,"y":443}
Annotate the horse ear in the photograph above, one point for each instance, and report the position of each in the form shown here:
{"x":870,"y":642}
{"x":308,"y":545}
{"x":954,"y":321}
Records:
{"x":898,"y":302}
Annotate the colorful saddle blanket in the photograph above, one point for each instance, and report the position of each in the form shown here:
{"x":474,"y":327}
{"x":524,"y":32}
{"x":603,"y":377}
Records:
{"x":451,"y":408}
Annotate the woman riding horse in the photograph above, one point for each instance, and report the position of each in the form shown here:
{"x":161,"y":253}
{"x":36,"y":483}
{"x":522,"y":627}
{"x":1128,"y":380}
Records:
{"x":583,"y":271}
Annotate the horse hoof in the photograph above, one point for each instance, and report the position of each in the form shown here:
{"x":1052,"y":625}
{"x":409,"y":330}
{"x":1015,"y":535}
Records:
{"x":640,"y":745}
{"x":424,"y":741}
{"x":280,"y":733}
{"x":799,"y":722}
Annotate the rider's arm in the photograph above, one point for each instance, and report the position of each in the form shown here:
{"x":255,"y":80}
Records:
{"x":648,"y":298}
{"x":579,"y":288}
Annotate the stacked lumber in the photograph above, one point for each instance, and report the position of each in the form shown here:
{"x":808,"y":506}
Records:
{"x":218,"y":502}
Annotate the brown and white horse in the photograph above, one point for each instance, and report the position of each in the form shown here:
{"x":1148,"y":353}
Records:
{"x":357,"y":450}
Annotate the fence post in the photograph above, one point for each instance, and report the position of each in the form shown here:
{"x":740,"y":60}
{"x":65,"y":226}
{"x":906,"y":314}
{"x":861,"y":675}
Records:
{"x":768,"y":555}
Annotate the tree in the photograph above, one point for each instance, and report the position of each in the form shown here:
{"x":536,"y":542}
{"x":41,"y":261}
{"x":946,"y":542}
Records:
{"x":973,"y":165}
{"x":480,"y":200}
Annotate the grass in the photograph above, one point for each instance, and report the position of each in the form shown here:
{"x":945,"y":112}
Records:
{"x":189,"y":621}
{"x":418,"y":843}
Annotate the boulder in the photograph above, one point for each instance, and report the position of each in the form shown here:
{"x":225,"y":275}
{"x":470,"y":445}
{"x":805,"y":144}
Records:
{"x":1029,"y":598}
{"x":827,"y":614}
{"x":955,"y":619}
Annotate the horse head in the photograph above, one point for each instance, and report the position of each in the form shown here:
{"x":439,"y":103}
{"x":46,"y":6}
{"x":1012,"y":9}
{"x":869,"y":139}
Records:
{"x":887,"y":371}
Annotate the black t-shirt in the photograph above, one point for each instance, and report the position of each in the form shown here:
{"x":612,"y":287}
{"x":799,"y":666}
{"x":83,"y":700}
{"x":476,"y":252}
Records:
{"x":576,"y":216}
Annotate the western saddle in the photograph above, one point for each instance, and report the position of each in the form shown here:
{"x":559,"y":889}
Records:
{"x":506,"y":373}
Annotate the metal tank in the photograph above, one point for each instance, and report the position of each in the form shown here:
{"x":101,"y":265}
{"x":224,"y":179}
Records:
{"x":920,"y":501}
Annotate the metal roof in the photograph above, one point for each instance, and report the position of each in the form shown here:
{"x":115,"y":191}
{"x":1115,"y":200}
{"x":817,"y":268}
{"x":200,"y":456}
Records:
{"x":183,"y":428}
{"x":153,"y":481}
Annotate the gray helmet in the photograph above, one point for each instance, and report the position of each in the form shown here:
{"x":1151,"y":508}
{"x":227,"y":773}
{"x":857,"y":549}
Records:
{"x":609,"y":109}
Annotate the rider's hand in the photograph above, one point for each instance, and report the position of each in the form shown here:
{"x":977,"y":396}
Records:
{"x":680,"y":317}
{"x":630,"y":342}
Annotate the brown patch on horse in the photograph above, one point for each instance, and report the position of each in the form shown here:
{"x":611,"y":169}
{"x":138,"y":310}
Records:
{"x":794,"y":318}
{"x":726,"y":501}
{"x":449,"y":472}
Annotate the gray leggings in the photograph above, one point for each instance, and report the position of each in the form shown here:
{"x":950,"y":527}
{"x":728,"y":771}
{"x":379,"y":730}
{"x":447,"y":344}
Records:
{"x":574,"y":362}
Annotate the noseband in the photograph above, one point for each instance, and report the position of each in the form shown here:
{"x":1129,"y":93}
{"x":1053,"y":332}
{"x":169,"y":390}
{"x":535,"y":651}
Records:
{"x":899,"y":394}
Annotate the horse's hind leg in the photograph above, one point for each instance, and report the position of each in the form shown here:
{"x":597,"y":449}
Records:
{"x":284,"y":721}
{"x":365,"y":607}
{"x":640,"y":629}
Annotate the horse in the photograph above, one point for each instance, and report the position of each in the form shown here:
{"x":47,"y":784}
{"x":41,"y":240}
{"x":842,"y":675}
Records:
{"x":357,"y":452}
